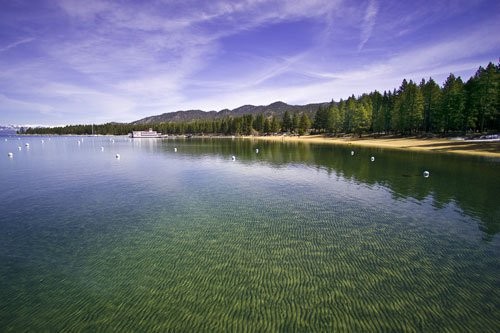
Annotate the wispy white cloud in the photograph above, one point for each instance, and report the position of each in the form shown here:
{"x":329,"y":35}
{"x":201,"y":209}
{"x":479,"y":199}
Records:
{"x":15,"y":44}
{"x":477,"y":43}
{"x":121,"y":62}
{"x":437,"y":60}
{"x":87,"y":103}
{"x":17,"y":105}
{"x":154,"y":68}
{"x":368,"y":23}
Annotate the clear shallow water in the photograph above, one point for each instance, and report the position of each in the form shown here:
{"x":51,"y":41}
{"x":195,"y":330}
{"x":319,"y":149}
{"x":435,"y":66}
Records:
{"x":294,"y":238}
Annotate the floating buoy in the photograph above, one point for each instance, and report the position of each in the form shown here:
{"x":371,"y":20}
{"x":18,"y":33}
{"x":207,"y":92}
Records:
{"x":5,"y":140}
{"x":43,"y":141}
{"x":352,"y":152}
{"x":112,"y":141}
{"x":19,"y":148}
{"x":10,"y":155}
{"x":257,"y":150}
{"x":233,"y":158}
{"x":102,"y":148}
{"x":117,"y":156}
{"x":426,"y":174}
{"x":27,"y":145}
{"x":372,"y":159}
{"x":175,"y":150}
{"x":79,"y":142}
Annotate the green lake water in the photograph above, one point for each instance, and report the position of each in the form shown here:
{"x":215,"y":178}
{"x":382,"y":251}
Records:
{"x":296,"y":237}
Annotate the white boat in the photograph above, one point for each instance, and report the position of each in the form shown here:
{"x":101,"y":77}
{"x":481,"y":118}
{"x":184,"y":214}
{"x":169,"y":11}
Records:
{"x":146,"y":134}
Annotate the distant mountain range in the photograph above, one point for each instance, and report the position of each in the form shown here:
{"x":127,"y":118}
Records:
{"x":275,"y":109}
{"x":8,"y":127}
{"x":18,"y":127}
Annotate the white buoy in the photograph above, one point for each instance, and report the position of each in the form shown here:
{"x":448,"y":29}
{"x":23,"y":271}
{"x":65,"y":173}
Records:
{"x":352,"y":152}
{"x":175,"y":150}
{"x":426,"y":174}
{"x":257,"y":150}
{"x":233,"y":158}
{"x":117,"y":156}
{"x":5,"y":140}
{"x":372,"y":159}
{"x":79,"y":142}
{"x":19,"y":148}
{"x":43,"y":141}
{"x":10,"y":155}
{"x":112,"y":141}
{"x":27,"y":145}
{"x":102,"y":148}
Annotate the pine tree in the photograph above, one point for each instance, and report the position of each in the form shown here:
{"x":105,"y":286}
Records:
{"x":472,"y":105}
{"x":275,"y":125}
{"x":342,"y":115}
{"x":415,"y":102}
{"x":267,"y":126}
{"x":399,"y":109}
{"x":362,"y":114}
{"x":258,"y":123}
{"x":320,"y":119}
{"x":452,"y":104}
{"x":377,"y":122}
{"x":295,"y":122}
{"x":431,"y":94}
{"x":350,"y":108}
{"x":360,"y":119}
{"x":333,"y":122}
{"x":287,"y":122}
{"x":408,"y":108}
{"x":386,"y":112}
{"x":247,"y":122}
{"x":304,"y":124}
{"x":488,"y":90}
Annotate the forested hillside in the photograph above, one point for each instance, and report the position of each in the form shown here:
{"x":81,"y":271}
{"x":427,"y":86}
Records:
{"x":276,"y":109}
{"x":414,"y":108}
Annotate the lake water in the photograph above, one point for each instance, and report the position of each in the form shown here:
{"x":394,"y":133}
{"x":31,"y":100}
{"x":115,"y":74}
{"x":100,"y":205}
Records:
{"x":295,"y":237}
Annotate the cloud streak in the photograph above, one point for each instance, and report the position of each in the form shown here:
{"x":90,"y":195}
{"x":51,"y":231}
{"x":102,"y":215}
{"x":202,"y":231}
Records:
{"x":368,"y":23}
{"x":15,"y":44}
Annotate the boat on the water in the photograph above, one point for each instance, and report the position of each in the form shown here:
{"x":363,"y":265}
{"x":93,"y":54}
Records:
{"x":146,"y":134}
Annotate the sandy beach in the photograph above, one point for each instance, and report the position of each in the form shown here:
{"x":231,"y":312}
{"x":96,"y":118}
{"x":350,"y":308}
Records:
{"x":487,"y":149}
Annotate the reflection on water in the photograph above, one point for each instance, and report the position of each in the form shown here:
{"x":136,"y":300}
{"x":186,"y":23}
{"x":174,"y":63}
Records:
{"x":472,"y":183}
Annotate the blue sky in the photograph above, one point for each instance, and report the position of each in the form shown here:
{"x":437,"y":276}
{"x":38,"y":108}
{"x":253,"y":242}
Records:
{"x":96,"y":61}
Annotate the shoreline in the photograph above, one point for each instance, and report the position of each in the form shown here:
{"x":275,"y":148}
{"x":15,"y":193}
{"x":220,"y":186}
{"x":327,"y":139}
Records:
{"x":462,"y":147}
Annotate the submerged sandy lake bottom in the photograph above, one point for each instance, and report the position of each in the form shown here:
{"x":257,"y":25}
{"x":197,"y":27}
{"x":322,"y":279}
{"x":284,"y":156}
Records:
{"x":292,"y":238}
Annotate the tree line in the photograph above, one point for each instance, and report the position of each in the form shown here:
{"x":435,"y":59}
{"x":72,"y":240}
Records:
{"x":456,"y":107}
{"x":244,"y":125}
